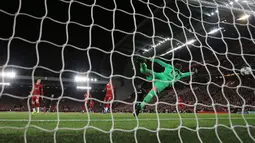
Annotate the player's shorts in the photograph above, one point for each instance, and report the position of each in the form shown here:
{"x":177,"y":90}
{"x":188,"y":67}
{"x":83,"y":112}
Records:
{"x":108,"y":97}
{"x":35,"y":97}
{"x":91,"y":104}
{"x":180,"y":105}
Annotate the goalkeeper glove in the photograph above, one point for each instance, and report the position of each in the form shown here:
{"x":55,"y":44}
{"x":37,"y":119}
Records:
{"x":139,"y":60}
{"x":143,"y":68}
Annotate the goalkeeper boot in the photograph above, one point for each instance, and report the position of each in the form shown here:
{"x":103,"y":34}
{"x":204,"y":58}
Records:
{"x":137,"y":109}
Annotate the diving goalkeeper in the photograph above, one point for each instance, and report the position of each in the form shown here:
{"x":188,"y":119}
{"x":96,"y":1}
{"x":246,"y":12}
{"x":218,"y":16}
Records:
{"x":163,"y":80}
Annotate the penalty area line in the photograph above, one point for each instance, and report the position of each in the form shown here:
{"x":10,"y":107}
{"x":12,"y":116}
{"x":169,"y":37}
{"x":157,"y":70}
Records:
{"x":120,"y":120}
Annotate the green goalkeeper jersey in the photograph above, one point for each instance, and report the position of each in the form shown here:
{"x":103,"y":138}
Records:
{"x":169,"y":74}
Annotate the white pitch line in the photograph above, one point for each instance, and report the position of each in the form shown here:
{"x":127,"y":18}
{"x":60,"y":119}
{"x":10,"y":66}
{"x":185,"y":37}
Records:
{"x":121,"y":120}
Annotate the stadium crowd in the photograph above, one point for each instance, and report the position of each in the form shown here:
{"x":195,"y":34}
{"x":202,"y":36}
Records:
{"x":204,"y":95}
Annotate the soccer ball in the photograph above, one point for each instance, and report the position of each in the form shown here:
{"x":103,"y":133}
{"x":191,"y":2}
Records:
{"x":246,"y":71}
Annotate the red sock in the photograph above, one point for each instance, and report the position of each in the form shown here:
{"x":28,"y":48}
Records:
{"x":33,"y":105}
{"x":37,"y":104}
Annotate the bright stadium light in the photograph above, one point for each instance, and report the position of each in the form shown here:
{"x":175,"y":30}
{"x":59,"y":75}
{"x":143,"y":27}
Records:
{"x":158,"y":44}
{"x":5,"y":83}
{"x":76,"y":78}
{"x":146,"y":50}
{"x":8,"y":74}
{"x":190,"y":42}
{"x":231,"y":3}
{"x":244,"y":17}
{"x":161,"y":42}
{"x":214,"y":30}
{"x":80,"y":79}
{"x":179,"y":47}
{"x":83,"y":87}
{"x":95,"y":79}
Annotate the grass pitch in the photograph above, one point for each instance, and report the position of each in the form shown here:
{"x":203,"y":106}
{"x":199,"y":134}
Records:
{"x":100,"y":128}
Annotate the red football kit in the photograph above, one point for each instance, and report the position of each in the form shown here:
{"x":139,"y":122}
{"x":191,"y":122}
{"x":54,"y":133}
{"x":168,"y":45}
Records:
{"x":109,"y":92}
{"x":180,"y":104}
{"x":38,"y":90}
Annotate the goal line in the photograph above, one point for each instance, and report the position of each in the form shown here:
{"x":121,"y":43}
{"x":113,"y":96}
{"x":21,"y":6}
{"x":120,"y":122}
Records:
{"x":121,"y":120}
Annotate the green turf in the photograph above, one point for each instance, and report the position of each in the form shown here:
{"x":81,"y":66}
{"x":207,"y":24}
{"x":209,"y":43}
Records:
{"x":73,"y":126}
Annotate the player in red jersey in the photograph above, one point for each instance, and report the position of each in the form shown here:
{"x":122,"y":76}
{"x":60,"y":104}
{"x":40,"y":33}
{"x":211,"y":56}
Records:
{"x":87,"y":96}
{"x":36,"y":92}
{"x":91,"y":105}
{"x":180,"y":104}
{"x":108,"y":97}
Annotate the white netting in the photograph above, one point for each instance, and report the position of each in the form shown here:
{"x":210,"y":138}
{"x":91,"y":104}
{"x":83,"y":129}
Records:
{"x":176,"y":28}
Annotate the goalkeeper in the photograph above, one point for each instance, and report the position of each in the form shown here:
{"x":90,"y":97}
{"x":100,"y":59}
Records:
{"x":164,"y":79}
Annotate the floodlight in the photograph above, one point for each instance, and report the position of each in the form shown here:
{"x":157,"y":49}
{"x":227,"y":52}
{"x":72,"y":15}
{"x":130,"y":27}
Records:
{"x":215,"y":30}
{"x":8,"y":74}
{"x":244,"y":17}
{"x":83,"y":87}
{"x":5,"y":83}
{"x":179,"y":47}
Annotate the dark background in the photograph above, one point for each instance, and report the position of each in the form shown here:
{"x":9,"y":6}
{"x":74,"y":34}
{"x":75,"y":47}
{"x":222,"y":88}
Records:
{"x":53,"y":38}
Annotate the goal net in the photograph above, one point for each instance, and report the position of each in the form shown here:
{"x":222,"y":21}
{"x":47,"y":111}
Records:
{"x":182,"y":70}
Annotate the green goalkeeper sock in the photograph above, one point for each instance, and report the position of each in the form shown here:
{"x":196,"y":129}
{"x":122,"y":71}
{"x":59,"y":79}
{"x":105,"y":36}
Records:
{"x":147,"y":98}
{"x":159,"y":86}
